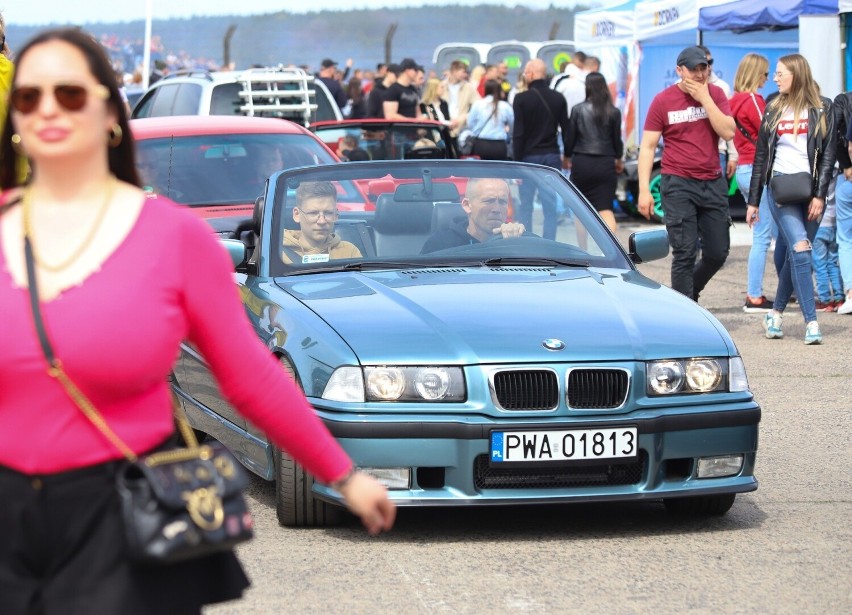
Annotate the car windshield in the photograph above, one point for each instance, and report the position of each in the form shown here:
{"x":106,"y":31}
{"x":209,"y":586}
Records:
{"x":380,"y":141}
{"x":205,"y":170}
{"x":410,"y":214}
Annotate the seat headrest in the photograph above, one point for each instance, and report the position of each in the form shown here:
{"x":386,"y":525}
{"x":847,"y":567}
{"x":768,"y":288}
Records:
{"x":444,"y":214}
{"x":408,"y":218}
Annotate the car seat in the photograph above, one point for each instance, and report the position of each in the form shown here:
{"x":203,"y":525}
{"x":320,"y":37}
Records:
{"x":401,"y":228}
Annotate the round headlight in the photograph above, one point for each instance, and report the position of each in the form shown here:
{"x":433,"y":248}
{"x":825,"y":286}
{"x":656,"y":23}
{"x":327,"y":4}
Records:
{"x":703,"y":375}
{"x":385,"y":383}
{"x":665,"y":377}
{"x":432,"y":382}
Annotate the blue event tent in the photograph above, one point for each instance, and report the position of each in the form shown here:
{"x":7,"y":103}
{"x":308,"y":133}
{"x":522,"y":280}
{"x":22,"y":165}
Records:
{"x":747,"y":15}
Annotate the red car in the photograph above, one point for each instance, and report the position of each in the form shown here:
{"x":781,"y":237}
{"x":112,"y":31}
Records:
{"x":380,"y":139}
{"x":219,"y":164}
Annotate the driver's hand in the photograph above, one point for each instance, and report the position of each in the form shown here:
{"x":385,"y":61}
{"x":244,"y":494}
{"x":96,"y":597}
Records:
{"x":510,"y":229}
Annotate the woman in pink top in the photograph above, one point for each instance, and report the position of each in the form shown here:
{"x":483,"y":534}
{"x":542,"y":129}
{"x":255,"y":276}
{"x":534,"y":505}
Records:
{"x":122,"y":280}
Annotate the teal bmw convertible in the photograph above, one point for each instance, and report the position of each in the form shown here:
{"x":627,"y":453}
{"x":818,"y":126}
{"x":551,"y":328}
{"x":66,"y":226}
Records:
{"x":464,"y":357}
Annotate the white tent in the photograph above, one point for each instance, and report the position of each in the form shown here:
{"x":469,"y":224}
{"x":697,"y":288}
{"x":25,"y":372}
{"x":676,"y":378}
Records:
{"x":607,"y":25}
{"x":607,"y":32}
{"x":664,"y":18}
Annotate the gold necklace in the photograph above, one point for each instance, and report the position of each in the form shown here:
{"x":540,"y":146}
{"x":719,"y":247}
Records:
{"x":28,"y":231}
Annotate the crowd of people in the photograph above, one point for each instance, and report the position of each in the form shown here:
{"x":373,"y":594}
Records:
{"x":63,"y":221}
{"x":791,"y":155}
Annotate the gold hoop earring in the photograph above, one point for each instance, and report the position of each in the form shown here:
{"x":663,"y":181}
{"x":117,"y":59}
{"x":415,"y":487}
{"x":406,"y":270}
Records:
{"x":16,"y":144}
{"x":115,"y":135}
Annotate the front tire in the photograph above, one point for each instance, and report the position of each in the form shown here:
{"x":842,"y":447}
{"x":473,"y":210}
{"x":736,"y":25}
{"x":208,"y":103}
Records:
{"x":295,"y":503}
{"x":701,"y":505}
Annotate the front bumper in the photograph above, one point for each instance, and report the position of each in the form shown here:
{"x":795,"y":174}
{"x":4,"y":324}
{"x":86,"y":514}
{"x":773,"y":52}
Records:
{"x":449,"y":459}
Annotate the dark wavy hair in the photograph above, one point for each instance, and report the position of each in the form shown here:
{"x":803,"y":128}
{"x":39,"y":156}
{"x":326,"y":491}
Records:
{"x":122,"y":157}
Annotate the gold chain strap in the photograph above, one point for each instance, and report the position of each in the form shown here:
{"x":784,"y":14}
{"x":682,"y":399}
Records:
{"x":190,"y":452}
{"x":56,"y":371}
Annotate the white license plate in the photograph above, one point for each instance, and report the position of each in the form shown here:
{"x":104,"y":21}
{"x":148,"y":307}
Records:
{"x":564,"y":445}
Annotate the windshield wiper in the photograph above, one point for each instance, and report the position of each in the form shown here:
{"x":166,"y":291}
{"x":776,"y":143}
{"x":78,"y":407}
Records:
{"x":541,"y":261}
{"x":375,"y":265}
{"x":364,"y":265}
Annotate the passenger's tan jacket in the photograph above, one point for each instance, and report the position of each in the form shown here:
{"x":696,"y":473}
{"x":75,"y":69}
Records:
{"x":335,"y":248}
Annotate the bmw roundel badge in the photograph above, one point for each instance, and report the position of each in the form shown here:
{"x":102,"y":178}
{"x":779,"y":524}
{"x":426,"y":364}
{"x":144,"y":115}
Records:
{"x":553,"y":344}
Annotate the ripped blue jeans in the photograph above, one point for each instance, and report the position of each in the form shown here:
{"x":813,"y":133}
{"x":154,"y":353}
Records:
{"x":797,"y":270}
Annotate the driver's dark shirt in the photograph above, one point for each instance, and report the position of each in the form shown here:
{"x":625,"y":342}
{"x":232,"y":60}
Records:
{"x":451,"y":237}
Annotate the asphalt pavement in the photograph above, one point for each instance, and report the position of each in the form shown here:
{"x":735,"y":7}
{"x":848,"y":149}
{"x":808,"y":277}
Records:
{"x":785,"y":548}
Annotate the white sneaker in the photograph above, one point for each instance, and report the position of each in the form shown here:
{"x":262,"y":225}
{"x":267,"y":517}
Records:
{"x":812,"y":333}
{"x":772,"y":322}
{"x":846,"y":307}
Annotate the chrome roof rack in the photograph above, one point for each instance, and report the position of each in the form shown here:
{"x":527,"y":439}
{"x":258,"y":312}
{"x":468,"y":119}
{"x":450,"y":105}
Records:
{"x":282,"y":92}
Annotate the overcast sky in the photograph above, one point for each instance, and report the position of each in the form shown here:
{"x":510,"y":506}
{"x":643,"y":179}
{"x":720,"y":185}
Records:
{"x":40,"y":12}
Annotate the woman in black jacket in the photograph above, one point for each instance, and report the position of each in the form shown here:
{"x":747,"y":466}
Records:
{"x":797,"y":141}
{"x":357,"y":103}
{"x":595,"y":147}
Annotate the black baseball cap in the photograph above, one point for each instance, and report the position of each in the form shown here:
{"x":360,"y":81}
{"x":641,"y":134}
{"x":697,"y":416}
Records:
{"x":328,"y":62}
{"x":408,"y":63}
{"x":692,"y":57}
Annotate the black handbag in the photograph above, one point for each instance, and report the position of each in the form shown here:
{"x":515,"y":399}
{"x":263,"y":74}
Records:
{"x":792,"y":188}
{"x":176,"y":504}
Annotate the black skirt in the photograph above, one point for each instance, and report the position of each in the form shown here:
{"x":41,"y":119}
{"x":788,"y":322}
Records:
{"x":596,"y":178}
{"x":63,"y":550}
{"x":490,"y":149}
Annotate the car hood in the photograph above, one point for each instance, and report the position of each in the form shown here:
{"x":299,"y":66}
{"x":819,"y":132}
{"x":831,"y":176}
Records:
{"x":468,"y":316}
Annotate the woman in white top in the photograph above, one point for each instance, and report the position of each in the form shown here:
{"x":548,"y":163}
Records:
{"x":796,"y":146}
{"x":490,"y":122}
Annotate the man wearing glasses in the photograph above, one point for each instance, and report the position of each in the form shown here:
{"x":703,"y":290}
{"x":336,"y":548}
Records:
{"x":690,"y":116}
{"x":315,"y":241}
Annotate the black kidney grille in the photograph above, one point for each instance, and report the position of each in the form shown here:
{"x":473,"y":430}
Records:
{"x":527,"y":390}
{"x":486,"y":476}
{"x":596,"y":388}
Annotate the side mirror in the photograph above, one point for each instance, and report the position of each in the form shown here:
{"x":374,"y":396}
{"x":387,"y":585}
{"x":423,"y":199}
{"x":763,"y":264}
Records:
{"x":647,"y":246}
{"x":236,"y":250}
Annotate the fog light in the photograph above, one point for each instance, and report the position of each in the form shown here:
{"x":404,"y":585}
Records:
{"x":715,"y":467}
{"x":391,"y":478}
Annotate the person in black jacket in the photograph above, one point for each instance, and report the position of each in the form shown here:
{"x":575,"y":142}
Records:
{"x":327,"y":76}
{"x":376,"y":99}
{"x":798,"y":111}
{"x":595,"y":147}
{"x":539,"y":114}
{"x":356,"y":103}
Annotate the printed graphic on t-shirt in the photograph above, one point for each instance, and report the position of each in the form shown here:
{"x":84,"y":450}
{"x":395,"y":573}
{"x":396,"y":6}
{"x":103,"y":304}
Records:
{"x":785,"y":127}
{"x":690,"y":114}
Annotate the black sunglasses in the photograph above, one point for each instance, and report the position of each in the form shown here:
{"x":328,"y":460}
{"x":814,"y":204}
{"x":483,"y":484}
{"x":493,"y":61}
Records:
{"x":26,"y":99}
{"x":710,"y":62}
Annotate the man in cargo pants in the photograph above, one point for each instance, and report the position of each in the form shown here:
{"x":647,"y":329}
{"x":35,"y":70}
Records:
{"x":691,"y":116}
